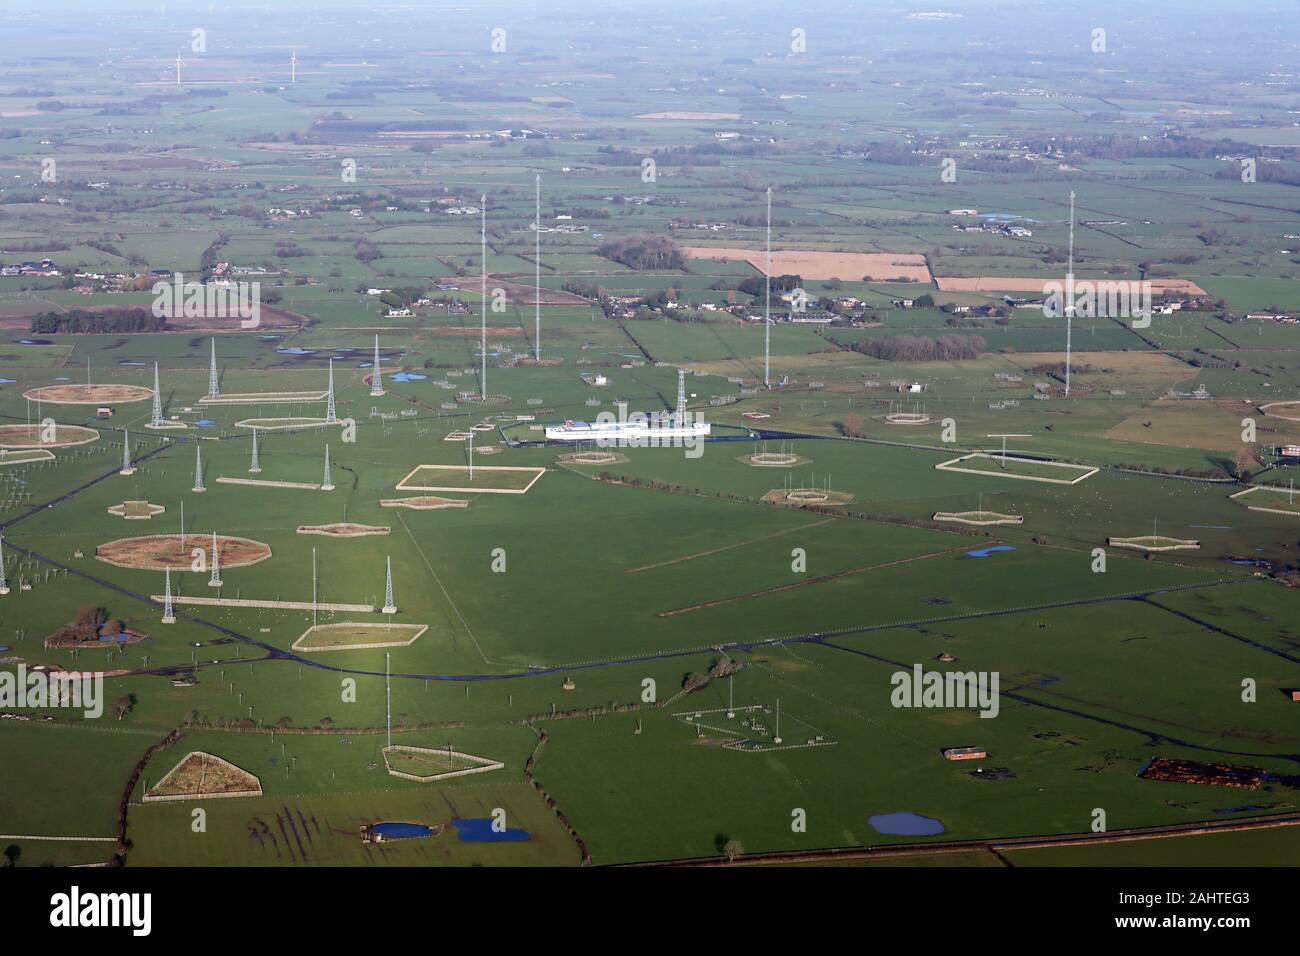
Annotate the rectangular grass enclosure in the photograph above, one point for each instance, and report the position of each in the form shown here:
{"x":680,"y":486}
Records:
{"x":1024,"y":469}
{"x":497,"y":480}
{"x":1269,"y":499}
{"x":354,"y":636}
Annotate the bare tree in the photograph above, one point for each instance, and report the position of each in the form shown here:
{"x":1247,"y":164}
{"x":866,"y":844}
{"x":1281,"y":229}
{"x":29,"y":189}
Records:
{"x":122,"y":705}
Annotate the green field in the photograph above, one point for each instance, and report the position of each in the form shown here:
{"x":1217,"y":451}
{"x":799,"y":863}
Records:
{"x":513,"y":226}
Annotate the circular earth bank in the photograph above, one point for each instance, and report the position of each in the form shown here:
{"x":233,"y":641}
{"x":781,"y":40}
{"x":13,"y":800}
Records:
{"x":156,"y":552}
{"x":35,"y":436}
{"x":89,"y":394}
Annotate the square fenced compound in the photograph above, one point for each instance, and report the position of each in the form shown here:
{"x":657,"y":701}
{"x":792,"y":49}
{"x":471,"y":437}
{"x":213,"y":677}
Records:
{"x":495,"y":480}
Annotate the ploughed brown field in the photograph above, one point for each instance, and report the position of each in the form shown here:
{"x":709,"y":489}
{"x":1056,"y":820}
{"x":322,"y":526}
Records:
{"x":815,"y":264}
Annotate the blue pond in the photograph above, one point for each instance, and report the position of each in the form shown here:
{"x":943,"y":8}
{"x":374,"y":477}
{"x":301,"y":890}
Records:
{"x":294,"y":350}
{"x":7,"y":381}
{"x":408,"y":377}
{"x":905,"y":824}
{"x":401,"y":831}
{"x":205,"y":423}
{"x":480,"y":831}
{"x":129,"y":362}
{"x":992,"y":549}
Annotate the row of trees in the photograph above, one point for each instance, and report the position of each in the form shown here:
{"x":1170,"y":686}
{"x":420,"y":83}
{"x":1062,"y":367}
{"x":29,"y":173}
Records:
{"x":757,"y":285}
{"x":643,"y":252}
{"x":917,"y":348}
{"x":80,"y":320}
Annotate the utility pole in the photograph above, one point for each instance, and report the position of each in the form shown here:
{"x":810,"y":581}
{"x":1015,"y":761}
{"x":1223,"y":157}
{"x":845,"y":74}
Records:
{"x":537,"y":262}
{"x":1069,"y":298}
{"x":767,"y":308}
{"x":483,"y":292}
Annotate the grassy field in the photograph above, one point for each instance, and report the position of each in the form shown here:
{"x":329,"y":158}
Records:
{"x":593,"y":608}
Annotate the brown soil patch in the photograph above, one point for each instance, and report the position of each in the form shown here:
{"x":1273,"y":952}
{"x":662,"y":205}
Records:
{"x":31,"y":436}
{"x":89,"y":394}
{"x":813,"y":264}
{"x":202,"y":774}
{"x":156,"y":552}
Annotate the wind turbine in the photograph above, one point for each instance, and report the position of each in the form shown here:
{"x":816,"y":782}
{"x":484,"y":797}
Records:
{"x":179,"y":64}
{"x":293,"y":66}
